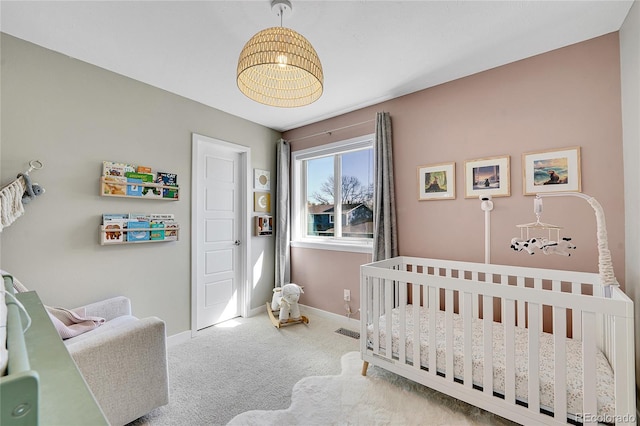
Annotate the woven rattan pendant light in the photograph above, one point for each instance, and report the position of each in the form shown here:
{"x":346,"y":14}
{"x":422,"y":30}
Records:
{"x":279,"y":67}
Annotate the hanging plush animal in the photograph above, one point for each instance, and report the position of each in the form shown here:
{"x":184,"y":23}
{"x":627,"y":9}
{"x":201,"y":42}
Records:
{"x":31,"y":190}
{"x":561,"y":247}
{"x":518,"y":245}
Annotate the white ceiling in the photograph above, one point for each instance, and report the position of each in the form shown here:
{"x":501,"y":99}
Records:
{"x":371,"y":51}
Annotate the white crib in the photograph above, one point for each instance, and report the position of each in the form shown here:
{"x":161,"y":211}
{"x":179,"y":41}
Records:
{"x":561,"y":344}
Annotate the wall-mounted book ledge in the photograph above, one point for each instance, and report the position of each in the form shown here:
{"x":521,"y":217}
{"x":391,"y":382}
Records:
{"x":114,"y":234}
{"x":132,"y":228}
{"x":147,"y":190}
{"x":127,"y":180}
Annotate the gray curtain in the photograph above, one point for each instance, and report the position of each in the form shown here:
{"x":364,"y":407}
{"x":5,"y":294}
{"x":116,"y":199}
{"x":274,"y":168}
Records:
{"x":283,"y":214}
{"x":385,"y":233}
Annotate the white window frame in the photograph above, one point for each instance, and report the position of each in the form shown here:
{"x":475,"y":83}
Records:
{"x":299,"y":198}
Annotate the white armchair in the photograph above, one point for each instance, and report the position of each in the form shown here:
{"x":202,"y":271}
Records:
{"x":124,"y":361}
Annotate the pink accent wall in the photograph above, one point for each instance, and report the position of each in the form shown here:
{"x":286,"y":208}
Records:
{"x":564,"y":98}
{"x":325,"y":274}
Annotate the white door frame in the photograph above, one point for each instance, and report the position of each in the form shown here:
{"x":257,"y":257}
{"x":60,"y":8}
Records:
{"x":245,"y":211}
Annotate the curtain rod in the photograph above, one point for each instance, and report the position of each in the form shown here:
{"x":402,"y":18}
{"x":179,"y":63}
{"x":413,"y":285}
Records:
{"x":328,"y":132}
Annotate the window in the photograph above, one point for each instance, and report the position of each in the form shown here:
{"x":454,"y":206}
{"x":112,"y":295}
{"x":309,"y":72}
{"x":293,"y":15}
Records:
{"x":333,"y":195}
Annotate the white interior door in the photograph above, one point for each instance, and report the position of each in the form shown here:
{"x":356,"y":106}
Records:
{"x":219,"y":225}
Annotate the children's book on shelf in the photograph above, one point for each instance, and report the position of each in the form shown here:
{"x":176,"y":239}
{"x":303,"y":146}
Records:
{"x":108,"y":217}
{"x":142,"y":234}
{"x":157,"y":231}
{"x":113,"y":231}
{"x":161,"y":216}
{"x":137,"y":190}
{"x":111,"y":168}
{"x":134,"y":190}
{"x":143,"y":169}
{"x":114,"y":182}
{"x":168,"y":179}
{"x":170,"y":230}
{"x":151,"y":192}
{"x":114,"y":185}
{"x":141,"y":217}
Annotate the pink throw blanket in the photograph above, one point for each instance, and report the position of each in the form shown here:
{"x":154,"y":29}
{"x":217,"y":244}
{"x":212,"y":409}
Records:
{"x":68,"y":323}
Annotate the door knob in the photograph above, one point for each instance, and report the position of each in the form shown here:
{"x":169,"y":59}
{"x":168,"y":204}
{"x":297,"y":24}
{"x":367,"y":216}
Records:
{"x":236,"y":242}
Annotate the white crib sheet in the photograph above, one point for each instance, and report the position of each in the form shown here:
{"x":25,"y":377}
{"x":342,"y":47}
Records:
{"x":604,"y":373}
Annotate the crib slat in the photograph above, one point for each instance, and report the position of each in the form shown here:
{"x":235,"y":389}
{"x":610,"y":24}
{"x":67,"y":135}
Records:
{"x":576,"y":314}
{"x":388,"y":311}
{"x":476,"y":308}
{"x":537,"y":283}
{"x":521,"y":303}
{"x":448,"y":326}
{"x":376,"y":315}
{"x":434,"y":307}
{"x":603,"y":339}
{"x":504,"y":280}
{"x":416,"y":326}
{"x":487,"y":336}
{"x":402,"y":329}
{"x":468,"y":340}
{"x":560,"y":363}
{"x":590,"y":400}
{"x":533,"y":394}
{"x":509,"y":321}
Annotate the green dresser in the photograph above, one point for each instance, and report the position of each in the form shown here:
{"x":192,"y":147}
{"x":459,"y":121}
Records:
{"x":62,"y":396}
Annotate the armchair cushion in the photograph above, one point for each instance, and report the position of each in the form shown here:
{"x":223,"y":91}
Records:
{"x":109,"y":308}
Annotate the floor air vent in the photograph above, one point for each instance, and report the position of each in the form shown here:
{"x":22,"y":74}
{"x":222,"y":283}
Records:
{"x":349,"y":333}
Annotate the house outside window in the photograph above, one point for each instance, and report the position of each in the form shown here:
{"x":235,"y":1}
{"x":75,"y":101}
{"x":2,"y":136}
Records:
{"x":333,"y":195}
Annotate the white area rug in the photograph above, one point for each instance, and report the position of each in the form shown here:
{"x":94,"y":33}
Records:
{"x":352,"y":399}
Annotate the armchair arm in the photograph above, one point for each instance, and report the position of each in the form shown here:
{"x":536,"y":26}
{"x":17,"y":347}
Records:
{"x":125,"y":368}
{"x":109,"y":308}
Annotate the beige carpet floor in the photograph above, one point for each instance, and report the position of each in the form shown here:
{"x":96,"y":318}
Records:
{"x":246,"y":365}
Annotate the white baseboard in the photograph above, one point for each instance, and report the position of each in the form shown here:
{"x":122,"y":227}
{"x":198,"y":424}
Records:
{"x":179,"y":338}
{"x":256,"y":311}
{"x":351,"y":322}
{"x":185,"y":336}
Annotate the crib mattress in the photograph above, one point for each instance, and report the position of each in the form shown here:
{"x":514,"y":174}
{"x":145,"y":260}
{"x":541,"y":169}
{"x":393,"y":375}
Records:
{"x":604,"y":373}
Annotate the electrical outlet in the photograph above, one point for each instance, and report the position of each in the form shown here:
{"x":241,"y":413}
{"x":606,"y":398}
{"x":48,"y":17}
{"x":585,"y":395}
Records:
{"x":347,"y":295}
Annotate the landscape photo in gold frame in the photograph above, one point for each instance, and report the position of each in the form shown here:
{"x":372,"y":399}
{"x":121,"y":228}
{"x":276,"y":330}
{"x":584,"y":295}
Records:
{"x":551,"y":171}
{"x":437,"y":182}
{"x":487,"y":176}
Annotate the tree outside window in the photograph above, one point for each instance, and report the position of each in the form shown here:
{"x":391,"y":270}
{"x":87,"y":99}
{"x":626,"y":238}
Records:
{"x":354,"y":172}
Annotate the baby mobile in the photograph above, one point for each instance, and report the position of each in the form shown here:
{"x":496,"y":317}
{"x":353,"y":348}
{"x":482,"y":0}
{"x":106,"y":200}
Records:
{"x":539,"y":236}
{"x":553,"y":244}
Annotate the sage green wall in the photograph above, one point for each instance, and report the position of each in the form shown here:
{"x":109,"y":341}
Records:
{"x":72,"y":116}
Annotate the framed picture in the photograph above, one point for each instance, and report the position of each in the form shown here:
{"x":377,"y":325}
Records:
{"x":261,"y":202}
{"x":487,"y":176}
{"x":437,"y":182}
{"x":263,"y":226}
{"x":261,"y":179}
{"x":551,"y":171}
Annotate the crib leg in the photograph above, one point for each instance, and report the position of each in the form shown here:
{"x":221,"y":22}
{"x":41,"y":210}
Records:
{"x":365,"y":365}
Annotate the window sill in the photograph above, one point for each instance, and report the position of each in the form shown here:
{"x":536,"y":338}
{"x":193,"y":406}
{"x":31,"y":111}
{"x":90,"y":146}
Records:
{"x":333,"y":246}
